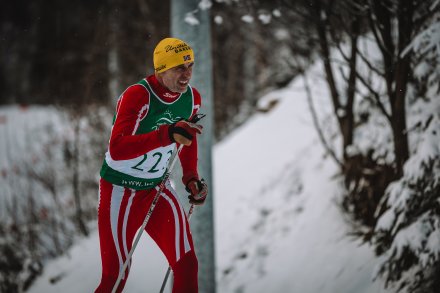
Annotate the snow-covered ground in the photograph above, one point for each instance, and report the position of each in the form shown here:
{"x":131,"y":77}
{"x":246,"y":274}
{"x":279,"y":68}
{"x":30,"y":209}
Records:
{"x":80,"y":269}
{"x":278,"y":224}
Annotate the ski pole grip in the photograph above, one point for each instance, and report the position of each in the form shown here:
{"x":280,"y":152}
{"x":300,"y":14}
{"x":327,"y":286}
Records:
{"x":197,"y":118}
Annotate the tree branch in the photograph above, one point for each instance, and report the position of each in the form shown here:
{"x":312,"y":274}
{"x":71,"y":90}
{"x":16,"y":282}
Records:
{"x":374,"y":29}
{"x":375,"y":95}
{"x":316,"y":122}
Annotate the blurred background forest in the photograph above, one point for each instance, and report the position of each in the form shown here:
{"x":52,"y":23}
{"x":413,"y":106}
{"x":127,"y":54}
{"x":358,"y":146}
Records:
{"x":74,"y":58}
{"x":87,"y":52}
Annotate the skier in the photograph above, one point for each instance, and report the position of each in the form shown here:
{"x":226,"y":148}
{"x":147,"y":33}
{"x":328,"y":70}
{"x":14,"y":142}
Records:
{"x":152,"y":116}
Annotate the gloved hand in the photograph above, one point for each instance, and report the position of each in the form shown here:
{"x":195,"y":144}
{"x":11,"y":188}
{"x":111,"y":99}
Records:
{"x":184,"y":131}
{"x":198,"y":191}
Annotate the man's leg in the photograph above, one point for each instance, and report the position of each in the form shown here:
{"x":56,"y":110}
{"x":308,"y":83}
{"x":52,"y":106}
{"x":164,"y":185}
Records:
{"x":118,"y":221}
{"x":169,"y":228}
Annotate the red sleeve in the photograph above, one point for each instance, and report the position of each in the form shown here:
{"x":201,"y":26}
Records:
{"x":132,"y":107}
{"x":189,"y":154}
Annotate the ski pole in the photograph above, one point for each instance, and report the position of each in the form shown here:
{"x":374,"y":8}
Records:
{"x":147,"y":217}
{"x":191,"y":209}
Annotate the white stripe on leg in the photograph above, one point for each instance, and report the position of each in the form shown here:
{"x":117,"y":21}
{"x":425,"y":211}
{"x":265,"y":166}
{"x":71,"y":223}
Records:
{"x":176,"y":225}
{"x":115,"y":205}
{"x":124,"y":224}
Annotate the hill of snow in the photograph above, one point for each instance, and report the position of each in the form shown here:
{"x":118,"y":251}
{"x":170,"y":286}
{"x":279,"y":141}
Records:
{"x":278,"y":224}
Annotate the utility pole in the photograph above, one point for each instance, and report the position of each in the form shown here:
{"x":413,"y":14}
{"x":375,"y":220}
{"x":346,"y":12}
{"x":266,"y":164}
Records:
{"x":190,"y":22}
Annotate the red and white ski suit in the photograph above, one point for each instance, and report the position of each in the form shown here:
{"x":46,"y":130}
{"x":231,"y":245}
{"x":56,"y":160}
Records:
{"x":122,"y":210}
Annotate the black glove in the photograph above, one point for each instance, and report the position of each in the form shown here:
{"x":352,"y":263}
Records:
{"x":198,"y":191}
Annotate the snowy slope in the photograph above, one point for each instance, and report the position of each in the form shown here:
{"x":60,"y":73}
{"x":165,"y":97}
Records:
{"x":278,"y":226}
{"x":280,"y":197}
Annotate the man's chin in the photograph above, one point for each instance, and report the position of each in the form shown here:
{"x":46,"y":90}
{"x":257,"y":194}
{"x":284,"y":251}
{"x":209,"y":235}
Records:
{"x":181,"y":89}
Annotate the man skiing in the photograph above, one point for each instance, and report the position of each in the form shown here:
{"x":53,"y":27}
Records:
{"x":152,"y":116}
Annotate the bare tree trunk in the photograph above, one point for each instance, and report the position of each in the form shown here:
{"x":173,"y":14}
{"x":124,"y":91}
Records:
{"x":75,"y":182}
{"x":325,"y":54}
{"x":405,"y":18}
{"x":344,"y":113}
{"x":348,"y":121}
{"x":114,"y":52}
{"x":397,"y":67}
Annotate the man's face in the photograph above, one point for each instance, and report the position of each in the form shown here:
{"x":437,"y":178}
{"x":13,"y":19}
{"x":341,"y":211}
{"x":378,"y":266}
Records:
{"x":177,"y":78}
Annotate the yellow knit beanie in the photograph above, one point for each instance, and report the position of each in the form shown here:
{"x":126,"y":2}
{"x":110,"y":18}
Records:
{"x":171,"y":52}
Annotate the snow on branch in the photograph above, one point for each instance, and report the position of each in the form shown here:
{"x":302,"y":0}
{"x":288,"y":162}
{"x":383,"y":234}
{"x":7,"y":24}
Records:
{"x":428,"y":39}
